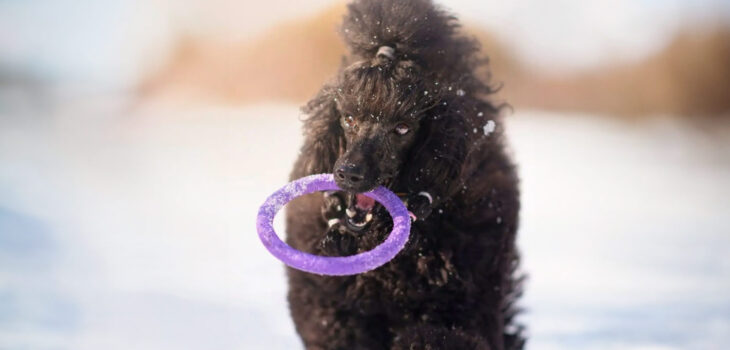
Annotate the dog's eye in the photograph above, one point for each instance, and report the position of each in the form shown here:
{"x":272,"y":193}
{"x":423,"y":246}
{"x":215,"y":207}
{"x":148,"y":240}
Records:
{"x":402,"y":129}
{"x":348,"y":121}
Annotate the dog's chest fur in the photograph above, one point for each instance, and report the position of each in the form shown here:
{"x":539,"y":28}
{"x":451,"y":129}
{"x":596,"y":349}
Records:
{"x":427,"y":272}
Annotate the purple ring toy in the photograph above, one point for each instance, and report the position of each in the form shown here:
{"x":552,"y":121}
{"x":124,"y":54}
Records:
{"x":332,"y":265}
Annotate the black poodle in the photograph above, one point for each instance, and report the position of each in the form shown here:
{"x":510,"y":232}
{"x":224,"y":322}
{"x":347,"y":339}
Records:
{"x":408,"y":111}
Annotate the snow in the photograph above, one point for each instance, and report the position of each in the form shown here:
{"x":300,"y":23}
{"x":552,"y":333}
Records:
{"x":136,"y":229}
{"x":489,"y":127}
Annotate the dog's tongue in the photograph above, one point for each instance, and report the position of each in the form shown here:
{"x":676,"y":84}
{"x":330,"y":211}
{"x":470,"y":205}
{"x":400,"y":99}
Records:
{"x":364,"y":202}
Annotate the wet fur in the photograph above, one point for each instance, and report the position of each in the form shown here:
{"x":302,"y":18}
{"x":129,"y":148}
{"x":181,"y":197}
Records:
{"x":454,"y":285}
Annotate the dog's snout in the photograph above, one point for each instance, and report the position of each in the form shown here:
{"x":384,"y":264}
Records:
{"x":357,"y":170}
{"x":350,"y":174}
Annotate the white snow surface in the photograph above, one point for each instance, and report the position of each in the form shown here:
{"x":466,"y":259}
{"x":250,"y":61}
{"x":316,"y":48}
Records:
{"x":136,"y":229}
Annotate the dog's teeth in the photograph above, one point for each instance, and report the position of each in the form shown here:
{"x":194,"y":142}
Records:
{"x":332,"y":222}
{"x":351,"y":212}
{"x":368,"y":217}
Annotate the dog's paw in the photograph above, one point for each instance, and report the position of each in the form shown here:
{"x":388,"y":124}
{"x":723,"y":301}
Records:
{"x":334,"y":206}
{"x":420,"y":205}
{"x":338,"y":241}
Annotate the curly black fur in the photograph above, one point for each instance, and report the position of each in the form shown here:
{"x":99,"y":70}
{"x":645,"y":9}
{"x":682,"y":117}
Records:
{"x":454,"y":285}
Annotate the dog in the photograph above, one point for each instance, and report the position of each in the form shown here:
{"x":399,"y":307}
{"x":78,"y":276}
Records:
{"x":408,"y":111}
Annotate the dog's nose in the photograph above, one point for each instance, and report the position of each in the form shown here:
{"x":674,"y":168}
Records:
{"x":349,"y":174}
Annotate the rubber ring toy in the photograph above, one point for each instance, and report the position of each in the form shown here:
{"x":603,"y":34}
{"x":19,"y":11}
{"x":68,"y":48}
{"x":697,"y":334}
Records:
{"x":332,"y":265}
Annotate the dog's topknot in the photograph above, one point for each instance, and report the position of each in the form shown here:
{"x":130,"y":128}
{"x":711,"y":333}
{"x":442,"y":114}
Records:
{"x":415,"y":30}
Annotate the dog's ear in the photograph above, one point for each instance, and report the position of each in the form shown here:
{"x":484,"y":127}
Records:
{"x":324,"y":139}
{"x":437,"y":157}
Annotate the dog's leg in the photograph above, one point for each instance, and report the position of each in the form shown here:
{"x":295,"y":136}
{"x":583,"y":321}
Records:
{"x":334,"y":206}
{"x":436,"y":337}
{"x":323,"y":324}
{"x":338,"y":241}
{"x":420,"y":204}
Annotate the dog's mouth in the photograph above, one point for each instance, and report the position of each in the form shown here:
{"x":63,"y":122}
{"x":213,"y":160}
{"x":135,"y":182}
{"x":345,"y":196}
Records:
{"x":360,"y":208}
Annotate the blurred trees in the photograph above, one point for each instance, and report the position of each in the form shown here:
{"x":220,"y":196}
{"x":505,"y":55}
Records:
{"x":689,"y":77}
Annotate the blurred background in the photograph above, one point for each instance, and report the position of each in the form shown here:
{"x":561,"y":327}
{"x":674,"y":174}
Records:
{"x":136,"y":145}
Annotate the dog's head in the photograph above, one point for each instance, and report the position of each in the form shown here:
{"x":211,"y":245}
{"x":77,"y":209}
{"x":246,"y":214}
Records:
{"x":401,"y":111}
{"x":380,"y":104}
{"x":396,"y":129}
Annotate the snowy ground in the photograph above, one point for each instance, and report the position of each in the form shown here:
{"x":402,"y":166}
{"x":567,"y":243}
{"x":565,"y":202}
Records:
{"x":124,"y":230}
